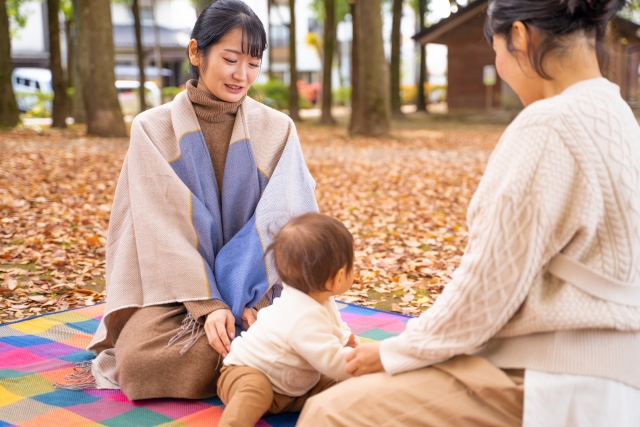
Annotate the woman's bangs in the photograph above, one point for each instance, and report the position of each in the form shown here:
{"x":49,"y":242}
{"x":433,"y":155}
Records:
{"x":254,"y":40}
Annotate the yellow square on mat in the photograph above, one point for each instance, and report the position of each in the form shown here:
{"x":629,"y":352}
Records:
{"x":7,"y":398}
{"x":69,"y":317}
{"x":174,"y":424}
{"x":92,"y":311}
{"x":27,"y":386}
{"x":58,"y":418}
{"x":36,"y":326}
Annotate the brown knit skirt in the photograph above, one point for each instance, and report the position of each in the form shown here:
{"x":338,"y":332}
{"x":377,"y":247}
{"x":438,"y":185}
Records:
{"x":146,"y":368}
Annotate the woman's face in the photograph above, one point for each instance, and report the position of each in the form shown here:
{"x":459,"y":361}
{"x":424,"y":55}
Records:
{"x":515,"y":69}
{"x":226,"y":71}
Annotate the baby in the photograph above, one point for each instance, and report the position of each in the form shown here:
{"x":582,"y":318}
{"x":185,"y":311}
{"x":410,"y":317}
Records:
{"x":297,"y":347}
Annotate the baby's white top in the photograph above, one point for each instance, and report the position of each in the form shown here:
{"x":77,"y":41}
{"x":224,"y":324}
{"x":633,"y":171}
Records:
{"x":294,"y":341}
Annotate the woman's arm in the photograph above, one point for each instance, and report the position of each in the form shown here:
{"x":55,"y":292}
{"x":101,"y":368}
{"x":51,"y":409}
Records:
{"x":527,"y":208}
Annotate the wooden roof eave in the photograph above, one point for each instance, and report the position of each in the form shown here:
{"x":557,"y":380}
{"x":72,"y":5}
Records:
{"x":430,"y":34}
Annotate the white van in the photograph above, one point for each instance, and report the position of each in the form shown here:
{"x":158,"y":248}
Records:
{"x":128,"y":95}
{"x":27,"y":82}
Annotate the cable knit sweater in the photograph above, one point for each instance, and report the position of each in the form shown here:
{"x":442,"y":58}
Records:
{"x":564,"y":177}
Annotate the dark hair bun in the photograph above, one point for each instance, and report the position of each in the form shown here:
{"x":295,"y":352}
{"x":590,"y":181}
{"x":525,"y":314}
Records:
{"x":599,"y":12}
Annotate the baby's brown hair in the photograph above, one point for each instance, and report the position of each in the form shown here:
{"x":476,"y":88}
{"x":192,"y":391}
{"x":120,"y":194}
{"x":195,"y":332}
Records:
{"x":310,"y":250}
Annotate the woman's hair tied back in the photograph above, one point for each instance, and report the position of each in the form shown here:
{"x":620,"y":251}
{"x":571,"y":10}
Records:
{"x":218,"y":19}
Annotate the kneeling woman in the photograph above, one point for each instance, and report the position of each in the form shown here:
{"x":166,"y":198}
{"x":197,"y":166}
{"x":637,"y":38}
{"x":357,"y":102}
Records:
{"x":208,"y":180}
{"x":545,"y":306}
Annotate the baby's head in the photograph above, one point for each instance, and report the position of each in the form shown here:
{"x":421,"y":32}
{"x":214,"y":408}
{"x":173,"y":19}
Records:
{"x":314,"y":254}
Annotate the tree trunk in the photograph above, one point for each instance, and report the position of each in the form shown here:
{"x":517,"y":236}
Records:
{"x":395,"y":59}
{"x":371,"y":109}
{"x":294,"y":108}
{"x":104,"y":117}
{"x":9,"y":114}
{"x":59,"y":112}
{"x":68,"y":28}
{"x":328,"y":48}
{"x":270,"y":49}
{"x":139,"y":52}
{"x":421,"y":101}
{"x":355,"y":65}
{"x":78,"y":112}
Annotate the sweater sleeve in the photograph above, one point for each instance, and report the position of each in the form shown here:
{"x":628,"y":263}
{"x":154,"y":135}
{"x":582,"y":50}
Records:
{"x":313,"y":339}
{"x":526,"y":208}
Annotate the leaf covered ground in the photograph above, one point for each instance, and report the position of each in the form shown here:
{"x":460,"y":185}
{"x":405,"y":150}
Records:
{"x":403,"y":197}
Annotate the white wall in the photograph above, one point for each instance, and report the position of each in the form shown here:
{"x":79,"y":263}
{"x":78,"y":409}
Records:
{"x":30,"y":39}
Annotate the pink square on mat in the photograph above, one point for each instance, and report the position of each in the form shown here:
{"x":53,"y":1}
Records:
{"x":19,"y":357}
{"x":100,"y":410}
{"x":43,"y":366}
{"x":394,"y":327}
{"x":348,"y":317}
{"x":120,"y":397}
{"x":173,"y":408}
{"x":104,"y":393}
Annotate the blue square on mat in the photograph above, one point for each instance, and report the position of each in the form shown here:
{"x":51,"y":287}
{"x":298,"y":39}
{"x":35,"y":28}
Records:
{"x":64,"y":398}
{"x":3,"y":424}
{"x":25,"y":340}
{"x":215,"y":401}
{"x":287,"y":419}
{"x":360,"y":311}
{"x":88,"y":326}
{"x":78,"y":356}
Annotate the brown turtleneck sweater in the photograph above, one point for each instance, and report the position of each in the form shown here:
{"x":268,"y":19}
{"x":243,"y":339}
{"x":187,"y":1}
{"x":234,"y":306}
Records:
{"x":216,"y":118}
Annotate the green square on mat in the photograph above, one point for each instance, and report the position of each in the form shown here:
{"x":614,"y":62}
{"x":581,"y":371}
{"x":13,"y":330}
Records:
{"x":377,"y":334}
{"x":10,"y":373}
{"x":136,"y":417}
{"x":27,"y":386}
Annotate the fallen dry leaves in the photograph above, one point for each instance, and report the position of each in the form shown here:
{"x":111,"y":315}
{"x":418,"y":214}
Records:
{"x":404,"y":198}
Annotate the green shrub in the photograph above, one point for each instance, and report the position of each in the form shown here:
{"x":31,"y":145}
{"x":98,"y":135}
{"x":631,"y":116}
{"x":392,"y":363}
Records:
{"x":273,"y":93}
{"x":39,"y":103}
{"x":169,"y":92}
{"x":342,"y":96}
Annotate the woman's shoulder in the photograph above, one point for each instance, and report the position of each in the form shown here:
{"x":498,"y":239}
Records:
{"x":258,"y":111}
{"x":153,"y":120}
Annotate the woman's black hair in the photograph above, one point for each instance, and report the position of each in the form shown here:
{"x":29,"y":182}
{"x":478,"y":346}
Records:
{"x":220,"y":17}
{"x":553,"y":19}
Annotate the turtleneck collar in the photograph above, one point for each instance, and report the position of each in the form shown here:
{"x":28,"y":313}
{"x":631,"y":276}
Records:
{"x":208,"y":107}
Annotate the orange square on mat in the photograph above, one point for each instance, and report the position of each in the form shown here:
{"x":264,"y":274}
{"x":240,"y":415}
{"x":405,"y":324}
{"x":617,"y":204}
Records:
{"x":58,"y":374}
{"x":58,"y":418}
{"x":205,"y":418}
{"x":79,"y":341}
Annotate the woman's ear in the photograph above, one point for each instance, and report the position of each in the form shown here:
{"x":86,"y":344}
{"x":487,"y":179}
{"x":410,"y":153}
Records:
{"x":520,"y":37}
{"x":194,"y":57}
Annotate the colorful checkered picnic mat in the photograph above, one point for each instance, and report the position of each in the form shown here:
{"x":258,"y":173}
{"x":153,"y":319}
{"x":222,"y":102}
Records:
{"x":36,"y":352}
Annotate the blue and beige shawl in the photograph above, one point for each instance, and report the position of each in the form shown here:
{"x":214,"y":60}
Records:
{"x":173,"y":237}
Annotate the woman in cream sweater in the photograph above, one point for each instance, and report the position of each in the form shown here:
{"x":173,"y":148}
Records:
{"x":540,"y":324}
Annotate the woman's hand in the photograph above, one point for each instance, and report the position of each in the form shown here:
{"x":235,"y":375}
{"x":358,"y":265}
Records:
{"x":220,"y":329}
{"x":249,"y":316}
{"x":364,"y":359}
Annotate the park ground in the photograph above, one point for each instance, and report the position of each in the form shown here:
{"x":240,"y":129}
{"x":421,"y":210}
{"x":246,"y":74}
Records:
{"x":404,"y":197}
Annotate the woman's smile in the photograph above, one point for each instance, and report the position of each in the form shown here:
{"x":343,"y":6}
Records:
{"x":235,"y":89}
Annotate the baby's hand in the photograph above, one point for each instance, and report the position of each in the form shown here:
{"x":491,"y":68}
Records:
{"x":353,"y":341}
